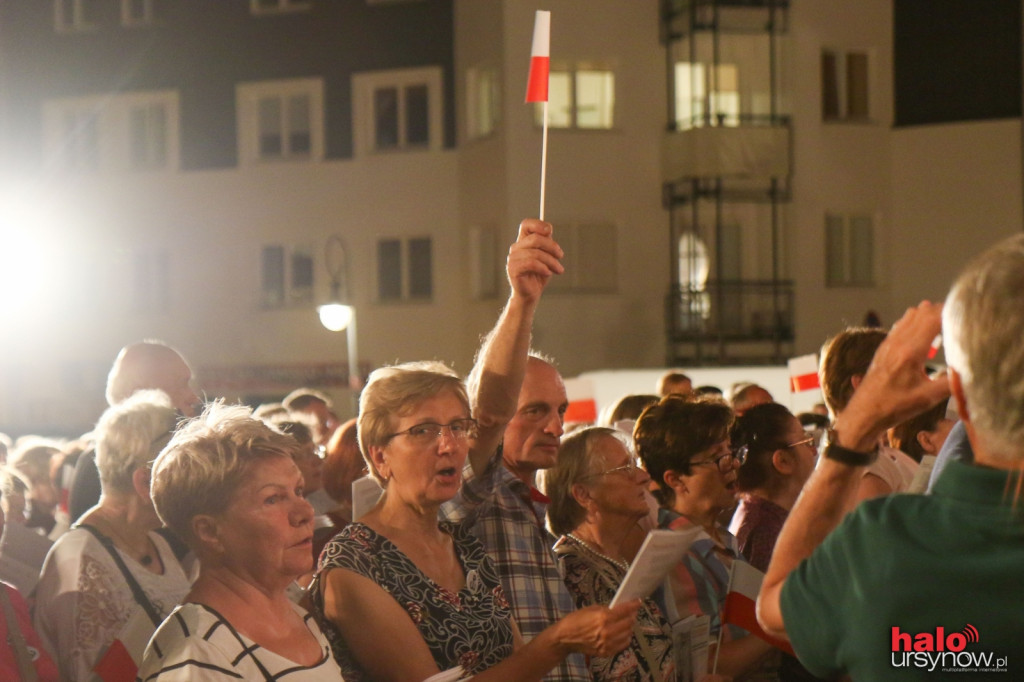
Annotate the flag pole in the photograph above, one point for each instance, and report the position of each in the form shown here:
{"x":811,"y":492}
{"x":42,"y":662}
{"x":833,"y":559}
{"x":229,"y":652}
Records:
{"x":543,"y":160}
{"x":721,"y":620}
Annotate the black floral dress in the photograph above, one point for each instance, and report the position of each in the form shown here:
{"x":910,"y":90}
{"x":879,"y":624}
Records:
{"x":471,"y":628}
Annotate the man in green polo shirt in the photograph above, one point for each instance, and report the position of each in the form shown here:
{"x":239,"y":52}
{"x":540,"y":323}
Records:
{"x":914,"y":587}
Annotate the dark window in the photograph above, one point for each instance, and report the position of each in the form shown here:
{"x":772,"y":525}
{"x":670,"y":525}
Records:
{"x":385,"y":116}
{"x":417,"y":116}
{"x":420,"y":269}
{"x":389,"y":269}
{"x":272,"y":274}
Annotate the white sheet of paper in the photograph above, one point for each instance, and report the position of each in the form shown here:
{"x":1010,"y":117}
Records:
{"x":22,"y":552}
{"x":450,"y":675}
{"x":924,"y":472}
{"x":691,"y":638}
{"x":662,"y":549}
{"x":365,"y":493}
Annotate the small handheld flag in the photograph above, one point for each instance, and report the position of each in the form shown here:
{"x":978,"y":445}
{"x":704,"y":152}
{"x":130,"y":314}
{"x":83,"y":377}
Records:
{"x":537,"y":86}
{"x":803,"y":373}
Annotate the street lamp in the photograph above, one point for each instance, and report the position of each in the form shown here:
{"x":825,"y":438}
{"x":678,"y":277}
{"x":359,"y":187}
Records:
{"x":339,"y":314}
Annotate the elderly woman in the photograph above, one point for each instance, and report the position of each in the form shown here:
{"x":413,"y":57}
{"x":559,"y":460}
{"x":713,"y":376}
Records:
{"x":229,"y":486}
{"x":684,"y":445}
{"x":398,"y":581}
{"x":113,"y":576}
{"x":598,"y":498}
{"x":780,"y":459}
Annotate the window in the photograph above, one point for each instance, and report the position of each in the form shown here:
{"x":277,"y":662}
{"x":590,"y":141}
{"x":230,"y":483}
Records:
{"x":581,"y":98}
{"x":127,"y":132}
{"x":591,"y":258}
{"x":278,"y":6}
{"x":706,"y":96}
{"x":397,"y":110}
{"x":844,"y":86}
{"x":136,"y":12}
{"x":151,"y":281}
{"x":483,"y":105}
{"x":849,"y":250}
{"x":73,"y":15}
{"x":286,"y":276}
{"x":405,"y":269}
{"x":280,"y":120}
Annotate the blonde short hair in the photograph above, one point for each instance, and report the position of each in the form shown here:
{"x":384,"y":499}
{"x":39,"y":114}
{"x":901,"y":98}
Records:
{"x":207,"y":460}
{"x":130,"y":434}
{"x":396,"y":391}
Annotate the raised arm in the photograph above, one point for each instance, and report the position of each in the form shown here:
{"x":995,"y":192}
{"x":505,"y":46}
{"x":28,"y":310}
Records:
{"x":895,"y":388}
{"x":501,"y":363}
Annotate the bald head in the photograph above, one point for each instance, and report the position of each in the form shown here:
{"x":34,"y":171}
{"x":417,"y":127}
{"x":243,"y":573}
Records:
{"x":152,"y":365}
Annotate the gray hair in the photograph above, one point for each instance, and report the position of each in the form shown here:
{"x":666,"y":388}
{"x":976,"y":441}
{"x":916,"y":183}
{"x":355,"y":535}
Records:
{"x":130,"y":434}
{"x":575,"y":462}
{"x":207,"y":460}
{"x":982,"y":322}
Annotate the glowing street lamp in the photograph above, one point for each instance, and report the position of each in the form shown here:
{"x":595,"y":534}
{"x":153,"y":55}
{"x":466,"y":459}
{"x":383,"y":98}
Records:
{"x":338,"y":315}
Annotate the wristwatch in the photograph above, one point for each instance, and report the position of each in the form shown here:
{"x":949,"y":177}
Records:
{"x":845,"y":455}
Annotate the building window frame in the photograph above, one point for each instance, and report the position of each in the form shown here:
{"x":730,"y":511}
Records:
{"x":260,"y":8}
{"x":483,"y":102}
{"x":72,"y":16}
{"x":591,"y":257}
{"x":287,"y":276}
{"x":846,"y":76}
{"x":136,"y":13}
{"x":405,"y":269}
{"x":414,"y":90}
{"x":293,"y":139}
{"x":580,"y":97}
{"x":849,"y":250}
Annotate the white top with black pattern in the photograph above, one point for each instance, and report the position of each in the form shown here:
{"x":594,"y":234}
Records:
{"x":196,"y":644}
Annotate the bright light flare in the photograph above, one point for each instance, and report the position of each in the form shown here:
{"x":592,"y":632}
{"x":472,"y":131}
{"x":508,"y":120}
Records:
{"x":28,"y":263}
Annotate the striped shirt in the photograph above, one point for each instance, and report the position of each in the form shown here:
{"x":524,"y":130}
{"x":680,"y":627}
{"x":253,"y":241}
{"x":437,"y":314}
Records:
{"x":501,"y":512}
{"x":196,"y":644}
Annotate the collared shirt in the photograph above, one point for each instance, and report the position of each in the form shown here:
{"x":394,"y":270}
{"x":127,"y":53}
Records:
{"x":756,"y":525}
{"x":503,"y":514}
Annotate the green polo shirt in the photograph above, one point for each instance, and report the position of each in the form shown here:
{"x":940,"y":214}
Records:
{"x":952,"y":560}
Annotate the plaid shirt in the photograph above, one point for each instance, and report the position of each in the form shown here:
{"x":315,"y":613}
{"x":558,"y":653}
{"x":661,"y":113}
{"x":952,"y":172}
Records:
{"x":499,"y":510}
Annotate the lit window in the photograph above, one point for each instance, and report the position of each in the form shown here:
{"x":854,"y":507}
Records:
{"x":482,"y":101}
{"x":286,"y":276}
{"x":404,"y":269}
{"x":844,"y":86}
{"x":73,"y":15}
{"x":280,"y":120}
{"x":148,"y":136}
{"x":136,"y":12}
{"x":113,"y":133}
{"x":591,"y":262}
{"x":706,"y":96}
{"x":397,"y":110}
{"x":583,"y":98}
{"x":849,"y":250}
{"x":278,"y":6}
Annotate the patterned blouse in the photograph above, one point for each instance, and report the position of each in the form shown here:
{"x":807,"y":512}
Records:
{"x":593,"y":579}
{"x":471,"y":628}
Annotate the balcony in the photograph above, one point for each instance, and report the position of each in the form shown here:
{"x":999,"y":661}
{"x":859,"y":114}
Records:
{"x":730,"y":322}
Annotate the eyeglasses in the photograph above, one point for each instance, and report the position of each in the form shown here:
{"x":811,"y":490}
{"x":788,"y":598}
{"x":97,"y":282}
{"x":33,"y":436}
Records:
{"x":428,"y":433}
{"x":739,"y":455}
{"x":806,"y":441}
{"x":632,"y":470}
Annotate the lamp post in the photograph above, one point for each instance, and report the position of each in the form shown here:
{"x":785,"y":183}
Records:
{"x":339,"y":314}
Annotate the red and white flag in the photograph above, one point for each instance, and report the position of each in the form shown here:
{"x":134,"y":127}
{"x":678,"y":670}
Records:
{"x":803,"y":373}
{"x":741,"y":603}
{"x":933,"y":350}
{"x":540,"y":58}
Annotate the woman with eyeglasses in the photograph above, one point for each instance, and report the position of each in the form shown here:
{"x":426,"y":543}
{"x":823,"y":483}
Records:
{"x":598,"y":496}
{"x":404,"y":597}
{"x":780,"y":459}
{"x":684,"y":446}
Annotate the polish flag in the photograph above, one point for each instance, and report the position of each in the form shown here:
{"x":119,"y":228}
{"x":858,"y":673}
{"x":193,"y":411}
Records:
{"x":582,"y":406}
{"x":741,"y":603}
{"x":540,"y":58}
{"x":803,"y":373}
{"x":933,"y":350}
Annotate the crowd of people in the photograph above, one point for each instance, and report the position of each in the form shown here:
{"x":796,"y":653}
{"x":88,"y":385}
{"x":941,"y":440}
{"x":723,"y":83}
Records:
{"x":215,"y":542}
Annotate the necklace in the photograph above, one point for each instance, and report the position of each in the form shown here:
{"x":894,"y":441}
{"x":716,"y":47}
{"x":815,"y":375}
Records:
{"x":146,"y":559}
{"x":624,"y":565}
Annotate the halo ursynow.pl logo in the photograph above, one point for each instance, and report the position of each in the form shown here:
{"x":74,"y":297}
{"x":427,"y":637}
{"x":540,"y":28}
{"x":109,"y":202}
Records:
{"x":942,"y":651}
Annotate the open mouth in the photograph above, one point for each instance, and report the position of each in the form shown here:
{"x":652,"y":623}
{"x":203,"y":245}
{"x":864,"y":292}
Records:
{"x":448,"y":471}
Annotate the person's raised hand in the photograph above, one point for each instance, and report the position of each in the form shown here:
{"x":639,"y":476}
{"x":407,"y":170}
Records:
{"x":533,"y":259}
{"x":896,"y":387}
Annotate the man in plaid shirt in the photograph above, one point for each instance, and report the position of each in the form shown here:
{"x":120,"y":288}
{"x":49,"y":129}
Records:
{"x":519,"y":401}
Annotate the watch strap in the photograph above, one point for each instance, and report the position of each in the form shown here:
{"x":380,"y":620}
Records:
{"x":847,"y":456}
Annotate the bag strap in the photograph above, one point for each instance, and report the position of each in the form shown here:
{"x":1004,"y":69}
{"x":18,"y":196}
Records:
{"x":137,"y":591}
{"x":16,"y":638}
